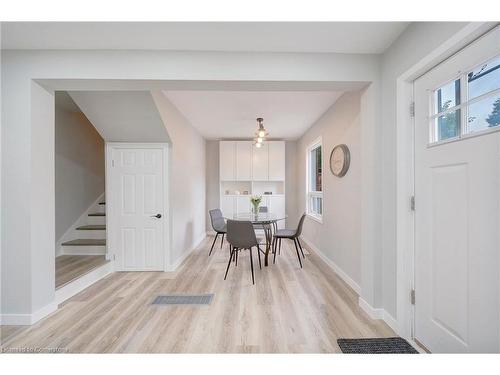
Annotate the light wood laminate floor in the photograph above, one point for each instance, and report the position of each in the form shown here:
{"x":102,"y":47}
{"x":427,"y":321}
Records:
{"x":288,"y":310}
{"x":71,"y":267}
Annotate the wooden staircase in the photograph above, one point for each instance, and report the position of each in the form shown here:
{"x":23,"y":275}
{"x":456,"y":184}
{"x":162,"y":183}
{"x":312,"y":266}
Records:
{"x":90,"y":238}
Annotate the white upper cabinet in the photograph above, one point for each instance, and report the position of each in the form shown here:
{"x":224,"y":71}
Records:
{"x":244,"y":160}
{"x":260,"y":165}
{"x":276,"y":161}
{"x":227,"y":160}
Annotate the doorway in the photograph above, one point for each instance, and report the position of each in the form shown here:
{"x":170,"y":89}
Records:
{"x":457,"y":216}
{"x":137,"y":196}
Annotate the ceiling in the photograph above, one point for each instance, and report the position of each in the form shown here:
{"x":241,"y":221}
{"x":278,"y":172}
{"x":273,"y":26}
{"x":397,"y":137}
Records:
{"x":122,"y":116}
{"x":332,"y":37}
{"x":232,"y":114}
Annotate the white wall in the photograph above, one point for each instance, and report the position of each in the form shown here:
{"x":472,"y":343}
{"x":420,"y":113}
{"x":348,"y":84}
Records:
{"x":338,"y":237}
{"x":41,"y":200}
{"x":187,"y":180}
{"x":79,"y":165}
{"x":417,"y":41}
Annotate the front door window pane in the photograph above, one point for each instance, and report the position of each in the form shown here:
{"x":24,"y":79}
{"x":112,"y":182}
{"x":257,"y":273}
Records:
{"x":484,"y":78}
{"x":447,"y":126}
{"x":448,"y":96}
{"x":484,"y":114}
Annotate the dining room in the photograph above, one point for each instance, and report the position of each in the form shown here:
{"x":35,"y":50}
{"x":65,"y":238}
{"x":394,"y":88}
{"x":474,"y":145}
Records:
{"x":283,"y":204}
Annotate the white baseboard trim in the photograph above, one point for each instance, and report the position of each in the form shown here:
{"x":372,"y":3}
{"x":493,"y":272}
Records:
{"x":173,"y":267}
{"x":28,"y":319}
{"x":344,"y":276}
{"x":76,"y":286}
{"x":374,"y":313}
{"x":391,"y":322}
{"x":379,"y":314}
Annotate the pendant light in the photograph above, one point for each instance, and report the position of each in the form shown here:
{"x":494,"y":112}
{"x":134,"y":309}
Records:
{"x":261,"y":133}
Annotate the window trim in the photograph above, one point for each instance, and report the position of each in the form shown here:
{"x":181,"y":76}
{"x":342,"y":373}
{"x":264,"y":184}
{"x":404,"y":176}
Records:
{"x":318,"y":142}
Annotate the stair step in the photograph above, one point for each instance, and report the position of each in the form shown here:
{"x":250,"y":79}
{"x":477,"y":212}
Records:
{"x":102,"y":203}
{"x":98,"y":214}
{"x":92,"y":227}
{"x":85,"y":242}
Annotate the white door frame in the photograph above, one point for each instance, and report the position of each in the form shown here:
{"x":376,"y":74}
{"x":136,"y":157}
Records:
{"x":405,"y":167}
{"x":111,"y":217}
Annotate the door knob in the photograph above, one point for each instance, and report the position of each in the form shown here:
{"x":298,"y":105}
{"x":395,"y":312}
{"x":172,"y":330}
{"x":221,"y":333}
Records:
{"x":158,"y":216}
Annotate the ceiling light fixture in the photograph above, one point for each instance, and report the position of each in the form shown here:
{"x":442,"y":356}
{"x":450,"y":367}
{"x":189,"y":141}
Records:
{"x":261,"y":132}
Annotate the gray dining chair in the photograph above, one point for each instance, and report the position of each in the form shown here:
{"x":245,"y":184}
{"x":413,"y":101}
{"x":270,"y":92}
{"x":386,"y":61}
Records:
{"x":218,"y":225}
{"x":241,"y":236}
{"x":291,"y":234}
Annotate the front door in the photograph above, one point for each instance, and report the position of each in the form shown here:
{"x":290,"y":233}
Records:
{"x":137,"y":216}
{"x":457,"y":227}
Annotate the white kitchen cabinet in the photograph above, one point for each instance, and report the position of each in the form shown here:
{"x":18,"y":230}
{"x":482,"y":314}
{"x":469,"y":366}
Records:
{"x":276,"y":161}
{"x":276,"y":205}
{"x":227,"y":206}
{"x":246,"y":168}
{"x":243,"y":205}
{"x":244,"y":160}
{"x":260,"y":163}
{"x":227,"y":160}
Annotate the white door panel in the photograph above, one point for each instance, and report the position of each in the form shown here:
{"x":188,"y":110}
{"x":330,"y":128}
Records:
{"x":227,"y":160}
{"x":137,"y":195}
{"x":244,"y":160}
{"x":277,"y":207}
{"x":456,"y":223}
{"x":227,"y":206}
{"x":260,"y":163}
{"x":276,"y":160}
{"x":243,"y":205}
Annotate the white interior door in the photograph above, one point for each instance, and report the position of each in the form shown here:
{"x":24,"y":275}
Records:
{"x":138,"y":216}
{"x":457,"y":174}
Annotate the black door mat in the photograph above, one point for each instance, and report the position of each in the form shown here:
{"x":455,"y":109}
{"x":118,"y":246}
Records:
{"x":389,"y":345}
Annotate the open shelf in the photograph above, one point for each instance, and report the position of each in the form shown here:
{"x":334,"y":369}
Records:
{"x":273,"y":187}
{"x":233,"y":187}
